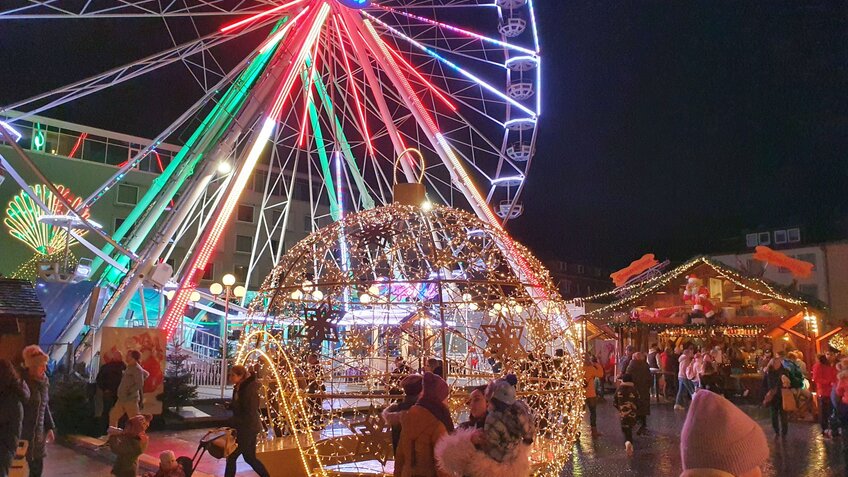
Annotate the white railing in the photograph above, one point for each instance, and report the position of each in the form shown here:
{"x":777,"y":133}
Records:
{"x":205,"y":372}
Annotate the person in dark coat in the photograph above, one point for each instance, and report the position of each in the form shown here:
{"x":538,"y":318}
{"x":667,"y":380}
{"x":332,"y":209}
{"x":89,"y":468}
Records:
{"x":13,"y":393}
{"x":108,"y":380}
{"x":774,"y":381}
{"x":37,"y":427}
{"x":245,"y":407}
{"x":642,"y":379}
{"x":624,"y":360}
{"x":626,"y":400}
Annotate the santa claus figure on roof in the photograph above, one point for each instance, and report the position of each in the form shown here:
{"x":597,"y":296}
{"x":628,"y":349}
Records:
{"x":697,"y":295}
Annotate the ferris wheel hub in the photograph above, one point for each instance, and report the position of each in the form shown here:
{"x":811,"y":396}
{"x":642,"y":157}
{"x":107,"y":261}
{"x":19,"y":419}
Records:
{"x":355,"y":3}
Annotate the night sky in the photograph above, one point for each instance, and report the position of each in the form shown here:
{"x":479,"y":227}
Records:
{"x":668,"y":127}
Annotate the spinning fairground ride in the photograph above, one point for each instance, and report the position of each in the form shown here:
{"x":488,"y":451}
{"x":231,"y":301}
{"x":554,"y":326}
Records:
{"x":330,"y":100}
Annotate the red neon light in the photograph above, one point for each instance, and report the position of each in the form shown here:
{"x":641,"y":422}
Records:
{"x":259,"y":15}
{"x":80,"y":139}
{"x":417,"y":74}
{"x":352,"y":85}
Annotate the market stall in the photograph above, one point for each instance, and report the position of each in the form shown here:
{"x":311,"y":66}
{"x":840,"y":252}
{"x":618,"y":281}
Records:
{"x":708,"y":304}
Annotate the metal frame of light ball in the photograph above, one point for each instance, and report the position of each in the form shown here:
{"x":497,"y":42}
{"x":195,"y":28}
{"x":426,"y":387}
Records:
{"x":426,"y":246}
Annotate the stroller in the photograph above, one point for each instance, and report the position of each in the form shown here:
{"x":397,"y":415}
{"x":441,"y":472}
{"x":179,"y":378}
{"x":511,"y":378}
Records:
{"x":220,"y":443}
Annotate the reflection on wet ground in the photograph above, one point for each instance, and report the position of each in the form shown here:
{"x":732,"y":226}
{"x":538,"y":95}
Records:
{"x":804,"y":453}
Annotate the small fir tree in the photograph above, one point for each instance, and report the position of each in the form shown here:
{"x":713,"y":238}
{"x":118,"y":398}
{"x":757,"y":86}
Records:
{"x":178,"y":388}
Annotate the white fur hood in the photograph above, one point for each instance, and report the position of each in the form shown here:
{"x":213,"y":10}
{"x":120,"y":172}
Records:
{"x":456,"y":455}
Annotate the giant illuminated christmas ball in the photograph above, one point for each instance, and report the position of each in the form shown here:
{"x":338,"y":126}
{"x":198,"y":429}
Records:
{"x":346,"y":302}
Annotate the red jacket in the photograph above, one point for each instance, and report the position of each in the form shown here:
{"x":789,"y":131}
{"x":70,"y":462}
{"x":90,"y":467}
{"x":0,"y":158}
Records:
{"x":825,"y":377}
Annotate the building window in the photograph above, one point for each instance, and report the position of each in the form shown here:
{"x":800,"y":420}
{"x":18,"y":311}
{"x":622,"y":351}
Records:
{"x":779,"y":237}
{"x":793,"y":235}
{"x":751,"y":240}
{"x":581,"y":269}
{"x":118,"y":222}
{"x":127,"y":194}
{"x":209,"y":271}
{"x":245,"y":213}
{"x":765,"y":238}
{"x":275,"y":244}
{"x":244,"y":243}
{"x":808,"y":257}
{"x":809,"y":289}
{"x":307,"y":223}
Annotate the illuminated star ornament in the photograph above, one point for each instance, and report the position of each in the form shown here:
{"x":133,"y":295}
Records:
{"x":321,"y":323}
{"x":504,"y":340}
{"x":375,"y":235}
{"x":374,"y":437}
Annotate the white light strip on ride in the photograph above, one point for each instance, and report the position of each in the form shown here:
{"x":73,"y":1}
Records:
{"x":272,"y":42}
{"x":533,"y":24}
{"x":460,"y":30}
{"x":11,"y":130}
{"x":453,"y":65}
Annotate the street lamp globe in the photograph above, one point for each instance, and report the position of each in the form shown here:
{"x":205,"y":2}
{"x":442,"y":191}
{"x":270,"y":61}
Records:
{"x":239,"y":291}
{"x":229,"y":280}
{"x":195,"y":296}
{"x":216,"y":288}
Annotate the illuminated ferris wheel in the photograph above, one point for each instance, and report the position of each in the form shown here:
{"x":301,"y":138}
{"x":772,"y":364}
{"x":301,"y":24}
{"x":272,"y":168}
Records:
{"x":328,"y":102}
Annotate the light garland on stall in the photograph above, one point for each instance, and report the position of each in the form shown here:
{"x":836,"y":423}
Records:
{"x":702,"y":331}
{"x":642,"y":289}
{"x":415,"y":282}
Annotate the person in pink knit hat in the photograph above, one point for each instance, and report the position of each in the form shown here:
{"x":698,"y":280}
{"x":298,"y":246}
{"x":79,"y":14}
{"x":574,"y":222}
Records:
{"x":719,"y":440}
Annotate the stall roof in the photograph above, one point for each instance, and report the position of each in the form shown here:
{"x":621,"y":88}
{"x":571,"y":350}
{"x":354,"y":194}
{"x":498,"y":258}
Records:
{"x":633,"y":293}
{"x":18,"y":298}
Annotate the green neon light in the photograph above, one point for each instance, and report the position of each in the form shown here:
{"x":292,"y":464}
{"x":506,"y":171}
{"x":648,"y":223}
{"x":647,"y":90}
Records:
{"x":322,"y":150}
{"x":38,"y":140}
{"x":365,"y":197}
{"x":201,"y":141}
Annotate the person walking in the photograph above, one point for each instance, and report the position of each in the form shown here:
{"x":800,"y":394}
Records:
{"x":642,"y":380}
{"x":774,"y":384}
{"x":824,"y":376}
{"x":37,"y":426}
{"x":130,"y":390}
{"x":13,"y":393}
{"x":108,"y":380}
{"x":719,"y":439}
{"x":245,"y":420}
{"x":592,"y":370}
{"x":684,"y":385}
{"x":421,"y":428}
{"x":392,"y":415}
{"x":626,"y":401}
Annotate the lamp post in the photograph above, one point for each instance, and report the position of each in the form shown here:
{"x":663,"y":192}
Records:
{"x":216,"y":289}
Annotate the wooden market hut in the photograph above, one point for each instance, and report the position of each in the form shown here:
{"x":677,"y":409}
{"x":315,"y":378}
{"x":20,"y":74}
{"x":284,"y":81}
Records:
{"x":21,"y":315}
{"x":743,"y":308}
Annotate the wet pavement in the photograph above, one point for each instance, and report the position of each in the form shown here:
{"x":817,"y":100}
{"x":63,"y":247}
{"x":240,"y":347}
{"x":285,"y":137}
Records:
{"x":804,"y":453}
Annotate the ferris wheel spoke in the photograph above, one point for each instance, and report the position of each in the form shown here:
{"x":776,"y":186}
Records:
{"x":123,"y":73}
{"x":453,"y":65}
{"x":125,"y":9}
